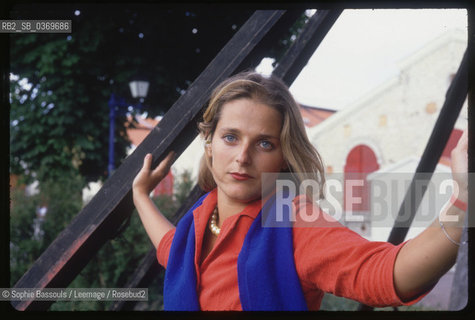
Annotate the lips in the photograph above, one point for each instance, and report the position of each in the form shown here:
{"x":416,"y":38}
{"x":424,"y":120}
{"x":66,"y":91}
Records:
{"x":240,"y":176}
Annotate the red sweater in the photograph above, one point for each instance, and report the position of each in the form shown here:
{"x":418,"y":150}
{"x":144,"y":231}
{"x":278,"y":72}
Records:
{"x":328,"y":257}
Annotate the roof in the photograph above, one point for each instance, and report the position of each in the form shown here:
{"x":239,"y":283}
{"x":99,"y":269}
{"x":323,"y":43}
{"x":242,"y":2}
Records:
{"x":311,"y":117}
{"x":362,"y":102}
{"x":141,"y":130}
{"x":314,"y":115}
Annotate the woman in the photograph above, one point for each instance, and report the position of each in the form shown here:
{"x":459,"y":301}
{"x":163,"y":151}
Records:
{"x":220,"y":257}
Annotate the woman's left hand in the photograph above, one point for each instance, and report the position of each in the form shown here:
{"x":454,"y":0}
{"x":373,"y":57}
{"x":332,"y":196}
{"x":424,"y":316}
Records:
{"x":459,"y":164}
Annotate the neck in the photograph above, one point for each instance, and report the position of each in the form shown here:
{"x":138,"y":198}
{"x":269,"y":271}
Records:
{"x":228,"y":207}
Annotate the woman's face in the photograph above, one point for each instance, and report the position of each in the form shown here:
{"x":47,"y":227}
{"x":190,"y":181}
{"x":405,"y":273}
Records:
{"x":245,"y":144}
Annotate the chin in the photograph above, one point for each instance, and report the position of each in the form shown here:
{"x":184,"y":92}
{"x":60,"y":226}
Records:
{"x":243,"y":193}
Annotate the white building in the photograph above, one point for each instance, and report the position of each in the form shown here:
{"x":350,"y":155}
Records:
{"x":387,"y":130}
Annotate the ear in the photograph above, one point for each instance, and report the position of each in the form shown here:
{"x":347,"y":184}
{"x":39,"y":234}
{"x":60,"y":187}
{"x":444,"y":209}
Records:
{"x":208,"y":148}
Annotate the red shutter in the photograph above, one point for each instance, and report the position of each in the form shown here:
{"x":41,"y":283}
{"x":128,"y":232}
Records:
{"x":360,"y":162}
{"x":165,"y":186}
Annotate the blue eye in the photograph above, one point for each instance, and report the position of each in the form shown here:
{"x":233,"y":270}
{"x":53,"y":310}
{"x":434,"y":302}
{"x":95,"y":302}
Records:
{"x":266,"y":145}
{"x":229,"y":138}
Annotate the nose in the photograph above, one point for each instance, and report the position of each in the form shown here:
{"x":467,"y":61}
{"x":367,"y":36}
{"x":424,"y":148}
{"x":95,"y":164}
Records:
{"x":244,"y":156}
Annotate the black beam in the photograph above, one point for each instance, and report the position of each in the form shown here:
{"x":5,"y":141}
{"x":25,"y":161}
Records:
{"x":143,"y":276}
{"x":293,"y":61}
{"x":271,"y":39}
{"x":149,"y":267}
{"x":454,"y":99}
{"x":443,"y":127}
{"x":96,"y":223}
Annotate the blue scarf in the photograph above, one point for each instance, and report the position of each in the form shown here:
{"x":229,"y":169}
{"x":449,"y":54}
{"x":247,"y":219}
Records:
{"x":267,"y":278}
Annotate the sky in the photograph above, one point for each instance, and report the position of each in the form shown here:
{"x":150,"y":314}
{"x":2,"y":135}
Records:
{"x":362,"y":50}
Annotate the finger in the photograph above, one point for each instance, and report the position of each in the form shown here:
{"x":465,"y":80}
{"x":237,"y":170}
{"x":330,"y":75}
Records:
{"x":144,"y":171}
{"x":147,"y":162}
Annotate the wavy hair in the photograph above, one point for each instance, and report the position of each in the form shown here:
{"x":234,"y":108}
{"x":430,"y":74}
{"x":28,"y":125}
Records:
{"x":303,"y":160}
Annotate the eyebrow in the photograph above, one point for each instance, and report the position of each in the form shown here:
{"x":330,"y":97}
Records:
{"x":237,"y":131}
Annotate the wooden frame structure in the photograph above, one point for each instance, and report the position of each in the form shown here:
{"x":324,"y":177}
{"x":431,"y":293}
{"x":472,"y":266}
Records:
{"x":99,"y":221}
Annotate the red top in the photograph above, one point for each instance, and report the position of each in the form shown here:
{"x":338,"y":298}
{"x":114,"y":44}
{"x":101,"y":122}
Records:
{"x":328,"y":257}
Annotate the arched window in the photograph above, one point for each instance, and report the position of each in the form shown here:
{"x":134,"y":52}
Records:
{"x":360,"y":162}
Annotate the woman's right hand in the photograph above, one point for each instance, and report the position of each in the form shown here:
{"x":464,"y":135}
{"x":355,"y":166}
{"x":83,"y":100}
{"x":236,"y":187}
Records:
{"x":147,"y":179}
{"x":154,"y":222}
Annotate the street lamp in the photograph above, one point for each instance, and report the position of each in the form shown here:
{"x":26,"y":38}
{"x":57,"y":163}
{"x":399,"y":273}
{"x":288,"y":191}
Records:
{"x":139,"y":89}
{"x":118,"y":105}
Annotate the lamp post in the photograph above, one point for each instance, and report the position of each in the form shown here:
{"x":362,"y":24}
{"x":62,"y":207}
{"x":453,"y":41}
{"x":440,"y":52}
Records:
{"x":118,"y":105}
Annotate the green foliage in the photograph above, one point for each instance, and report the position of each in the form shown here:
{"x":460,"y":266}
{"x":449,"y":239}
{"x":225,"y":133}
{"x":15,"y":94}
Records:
{"x":63,"y":200}
{"x":24,"y":249}
{"x":118,"y":259}
{"x":59,"y":112}
{"x":183,"y":186}
{"x":61,"y":120}
{"x":114,"y":263}
{"x":110,"y":267}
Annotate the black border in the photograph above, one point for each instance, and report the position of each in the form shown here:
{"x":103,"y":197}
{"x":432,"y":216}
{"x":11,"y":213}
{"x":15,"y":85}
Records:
{"x":467,"y":313}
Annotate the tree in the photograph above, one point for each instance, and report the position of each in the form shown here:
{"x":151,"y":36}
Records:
{"x":119,"y":258}
{"x":113,"y":264}
{"x":63,"y":199}
{"x":60,"y":86}
{"x":62,"y":82}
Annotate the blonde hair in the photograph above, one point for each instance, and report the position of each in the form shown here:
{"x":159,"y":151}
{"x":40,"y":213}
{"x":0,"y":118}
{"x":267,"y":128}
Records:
{"x":303,"y":160}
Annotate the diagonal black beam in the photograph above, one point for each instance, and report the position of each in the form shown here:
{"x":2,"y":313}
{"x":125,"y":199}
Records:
{"x":444,"y":125}
{"x":293,"y":61}
{"x":97,"y":222}
{"x":149,"y":267}
{"x":270,"y":40}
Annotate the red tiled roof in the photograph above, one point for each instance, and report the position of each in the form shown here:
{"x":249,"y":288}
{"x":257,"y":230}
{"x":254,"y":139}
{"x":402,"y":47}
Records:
{"x":141,"y":130}
{"x":311,"y":116}
{"x":314,"y":115}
